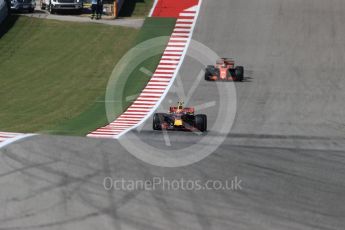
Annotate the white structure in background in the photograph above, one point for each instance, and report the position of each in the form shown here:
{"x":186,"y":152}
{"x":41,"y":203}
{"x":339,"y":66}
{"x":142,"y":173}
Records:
{"x":28,"y":5}
{"x":54,"y":5}
{"x":3,"y":10}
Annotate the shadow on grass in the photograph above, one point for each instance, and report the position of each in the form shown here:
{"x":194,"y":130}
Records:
{"x":7,"y":24}
{"x":129,"y":7}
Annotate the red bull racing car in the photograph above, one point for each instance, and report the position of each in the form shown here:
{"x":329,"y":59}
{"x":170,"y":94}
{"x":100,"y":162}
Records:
{"x":180,"y":118}
{"x":224,"y":70}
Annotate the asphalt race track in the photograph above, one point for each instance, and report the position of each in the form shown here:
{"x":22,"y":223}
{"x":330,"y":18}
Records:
{"x":286,"y":145}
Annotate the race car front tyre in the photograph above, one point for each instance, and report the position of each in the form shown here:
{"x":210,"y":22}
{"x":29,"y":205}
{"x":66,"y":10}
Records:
{"x":158,"y":119}
{"x":239,"y":72}
{"x":201,"y":122}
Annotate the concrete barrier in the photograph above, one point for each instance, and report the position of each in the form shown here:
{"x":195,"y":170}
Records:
{"x":3,"y":10}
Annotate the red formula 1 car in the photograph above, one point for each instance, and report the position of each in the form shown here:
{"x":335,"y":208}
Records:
{"x":224,"y":70}
{"x":180,"y":118}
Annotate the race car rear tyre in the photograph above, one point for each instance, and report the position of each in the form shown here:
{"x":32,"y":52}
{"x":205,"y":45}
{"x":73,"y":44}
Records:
{"x":201,"y":122}
{"x":207,"y":77}
{"x":158,"y":119}
{"x":31,"y":10}
{"x":239,"y":72}
{"x":208,"y":73}
{"x":211,"y":71}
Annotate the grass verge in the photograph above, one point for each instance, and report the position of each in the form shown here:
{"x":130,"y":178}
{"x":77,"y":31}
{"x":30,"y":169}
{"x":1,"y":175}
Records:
{"x":53,"y":74}
{"x":136,"y":8}
{"x":51,"y":71}
{"x":95,"y":116}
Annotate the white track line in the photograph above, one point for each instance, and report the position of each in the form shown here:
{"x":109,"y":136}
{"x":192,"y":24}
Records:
{"x":185,"y":20}
{"x":9,"y":138}
{"x":153,"y":8}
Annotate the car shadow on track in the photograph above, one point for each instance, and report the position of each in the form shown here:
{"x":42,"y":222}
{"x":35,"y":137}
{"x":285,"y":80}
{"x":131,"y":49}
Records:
{"x":248,"y":76}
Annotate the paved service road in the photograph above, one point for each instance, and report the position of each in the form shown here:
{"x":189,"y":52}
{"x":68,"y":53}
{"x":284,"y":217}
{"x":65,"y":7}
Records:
{"x":286,"y":145}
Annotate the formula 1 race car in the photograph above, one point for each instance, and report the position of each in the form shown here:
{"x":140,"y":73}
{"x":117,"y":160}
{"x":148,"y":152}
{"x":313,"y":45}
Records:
{"x":224,"y":70}
{"x":180,"y":118}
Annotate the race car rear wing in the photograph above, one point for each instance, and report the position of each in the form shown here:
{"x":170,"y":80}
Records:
{"x":227,"y":61}
{"x":184,"y":110}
